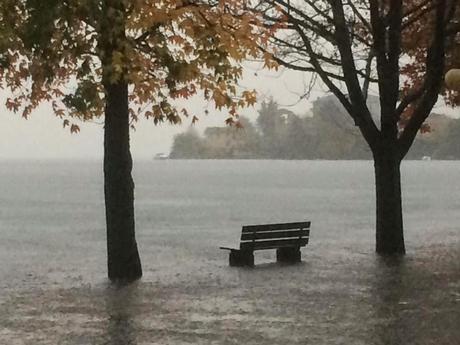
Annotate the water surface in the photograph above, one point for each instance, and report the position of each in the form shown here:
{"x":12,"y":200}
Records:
{"x":52,"y":249}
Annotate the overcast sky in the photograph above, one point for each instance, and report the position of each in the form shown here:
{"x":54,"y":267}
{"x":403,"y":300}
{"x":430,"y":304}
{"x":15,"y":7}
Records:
{"x":42,"y":135}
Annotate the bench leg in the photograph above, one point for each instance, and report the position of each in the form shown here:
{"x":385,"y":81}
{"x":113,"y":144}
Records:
{"x":288,"y":255}
{"x":240,"y":258}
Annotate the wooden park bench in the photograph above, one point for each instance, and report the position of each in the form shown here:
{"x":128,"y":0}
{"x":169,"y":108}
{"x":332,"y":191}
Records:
{"x":285,"y":238}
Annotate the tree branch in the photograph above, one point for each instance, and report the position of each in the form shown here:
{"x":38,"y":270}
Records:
{"x":435,"y":63}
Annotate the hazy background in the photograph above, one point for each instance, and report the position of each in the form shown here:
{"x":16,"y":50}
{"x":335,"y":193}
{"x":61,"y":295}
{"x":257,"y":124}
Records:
{"x":42,"y":135}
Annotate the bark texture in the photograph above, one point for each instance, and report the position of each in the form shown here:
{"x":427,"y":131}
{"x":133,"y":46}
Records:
{"x":389,"y":221}
{"x":123,"y":257}
{"x":124,"y":264}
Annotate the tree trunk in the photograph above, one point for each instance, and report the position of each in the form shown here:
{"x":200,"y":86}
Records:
{"x":389,"y":234}
{"x":123,"y":257}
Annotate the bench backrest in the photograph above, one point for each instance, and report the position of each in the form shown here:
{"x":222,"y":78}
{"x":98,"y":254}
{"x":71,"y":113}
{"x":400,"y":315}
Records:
{"x":270,"y":236}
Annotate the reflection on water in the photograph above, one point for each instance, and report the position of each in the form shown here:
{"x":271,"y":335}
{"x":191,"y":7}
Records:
{"x":120,"y":303}
{"x":333,"y":299}
{"x":389,"y":299}
{"x":416,"y":302}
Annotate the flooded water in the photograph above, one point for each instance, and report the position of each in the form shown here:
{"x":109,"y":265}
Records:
{"x":53,"y":288}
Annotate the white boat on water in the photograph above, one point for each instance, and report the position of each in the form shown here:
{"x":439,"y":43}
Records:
{"x":426,"y":158}
{"x":161,"y":156}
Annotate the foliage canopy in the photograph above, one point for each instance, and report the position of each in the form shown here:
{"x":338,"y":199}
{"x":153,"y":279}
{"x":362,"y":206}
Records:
{"x":53,"y":50}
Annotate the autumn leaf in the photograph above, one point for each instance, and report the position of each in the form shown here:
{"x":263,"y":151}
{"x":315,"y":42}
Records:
{"x":74,"y":129}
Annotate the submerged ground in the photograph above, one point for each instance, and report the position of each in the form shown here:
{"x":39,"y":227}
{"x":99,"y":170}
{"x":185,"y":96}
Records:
{"x":52,"y":278}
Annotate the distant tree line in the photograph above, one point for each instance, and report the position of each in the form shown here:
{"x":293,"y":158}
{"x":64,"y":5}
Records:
{"x":278,"y":133}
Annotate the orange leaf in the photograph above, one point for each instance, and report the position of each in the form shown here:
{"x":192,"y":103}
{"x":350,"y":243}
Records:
{"x":74,"y":129}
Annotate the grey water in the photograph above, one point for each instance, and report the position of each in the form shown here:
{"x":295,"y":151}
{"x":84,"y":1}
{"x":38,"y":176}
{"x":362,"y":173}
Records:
{"x":53,"y":288}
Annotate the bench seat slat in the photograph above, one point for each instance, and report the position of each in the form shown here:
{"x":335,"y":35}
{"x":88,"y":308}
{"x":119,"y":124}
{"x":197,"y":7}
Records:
{"x":259,"y":245}
{"x":248,"y":236}
{"x":276,"y":227}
